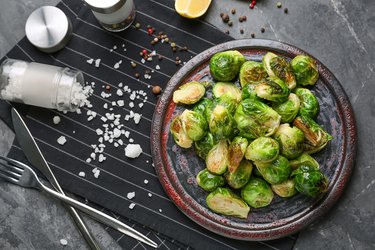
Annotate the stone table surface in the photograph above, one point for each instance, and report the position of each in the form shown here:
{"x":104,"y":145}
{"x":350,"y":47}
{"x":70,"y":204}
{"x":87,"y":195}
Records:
{"x":340,"y":33}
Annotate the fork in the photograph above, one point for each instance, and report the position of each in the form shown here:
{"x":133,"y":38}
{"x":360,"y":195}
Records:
{"x":19,"y":173}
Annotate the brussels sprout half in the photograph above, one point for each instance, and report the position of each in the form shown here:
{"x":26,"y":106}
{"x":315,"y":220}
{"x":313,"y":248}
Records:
{"x":217,"y":160}
{"x":251,"y":72}
{"x":248,"y":91}
{"x":262,"y":149}
{"x":257,"y":193}
{"x":272,"y":89}
{"x":309,"y":104}
{"x":224,"y":66}
{"x":204,"y":145}
{"x":310,"y":181}
{"x":221,"y":122}
{"x":275,"y":172}
{"x":202,"y":105}
{"x":289,"y":109}
{"x":208,"y":181}
{"x":189,"y":93}
{"x":304,"y":160}
{"x":237,"y":149}
{"x":179,"y":134}
{"x":238,"y":178}
{"x":305,"y":70}
{"x":227,"y":90}
{"x":194,"y":124}
{"x":290,"y":139}
{"x":279,"y":67}
{"x":255,"y":118}
{"x":285,"y":189}
{"x":316,"y":138}
{"x":224,"y":201}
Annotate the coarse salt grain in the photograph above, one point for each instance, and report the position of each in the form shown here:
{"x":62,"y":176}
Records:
{"x":119,"y":92}
{"x":90,"y":61}
{"x":99,"y":131}
{"x":96,"y":172}
{"x":132,"y":205}
{"x":61,"y":140}
{"x":137,"y":118}
{"x":145,"y":181}
{"x":149,"y":195}
{"x":97,"y":62}
{"x":133,"y":150}
{"x":130,"y":195}
{"x":63,"y":242}
{"x":102,"y":158}
{"x":82,"y":174}
{"x":56,"y":119}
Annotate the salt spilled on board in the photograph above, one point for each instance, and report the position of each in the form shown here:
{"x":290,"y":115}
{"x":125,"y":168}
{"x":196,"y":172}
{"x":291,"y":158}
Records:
{"x":133,"y":150}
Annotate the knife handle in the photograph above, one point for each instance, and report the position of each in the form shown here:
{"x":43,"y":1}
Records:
{"x":82,"y":227}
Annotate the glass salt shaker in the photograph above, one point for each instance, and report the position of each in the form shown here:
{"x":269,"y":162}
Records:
{"x":42,"y":85}
{"x":113,"y":15}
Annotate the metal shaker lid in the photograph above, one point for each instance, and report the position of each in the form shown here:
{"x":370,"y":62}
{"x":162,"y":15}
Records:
{"x":48,"y":29}
{"x":105,"y":7}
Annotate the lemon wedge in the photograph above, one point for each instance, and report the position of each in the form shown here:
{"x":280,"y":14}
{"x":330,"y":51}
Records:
{"x":191,"y":8}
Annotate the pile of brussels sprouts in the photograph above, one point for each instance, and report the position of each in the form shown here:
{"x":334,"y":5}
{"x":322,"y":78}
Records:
{"x":256,"y":133}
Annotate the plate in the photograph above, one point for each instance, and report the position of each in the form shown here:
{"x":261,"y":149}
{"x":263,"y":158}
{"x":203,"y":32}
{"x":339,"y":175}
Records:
{"x":177,"y":167}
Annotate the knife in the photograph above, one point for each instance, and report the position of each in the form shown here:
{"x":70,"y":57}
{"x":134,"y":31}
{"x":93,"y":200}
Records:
{"x":36,"y":158}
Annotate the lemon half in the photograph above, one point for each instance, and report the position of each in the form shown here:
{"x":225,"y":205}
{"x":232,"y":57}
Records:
{"x":191,"y":8}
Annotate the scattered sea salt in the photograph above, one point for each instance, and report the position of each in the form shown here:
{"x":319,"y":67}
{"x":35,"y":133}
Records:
{"x":132,"y":205}
{"x":63,"y":242}
{"x":56,"y":119}
{"x":88,"y":160}
{"x":145,"y":181}
{"x":133,"y":150}
{"x":97,"y":62}
{"x":61,"y":140}
{"x":82,"y":174}
{"x":119,"y":92}
{"x":130,"y":195}
{"x":101,"y":158}
{"x":96,"y":172}
{"x":116,"y":66}
{"x":160,"y":210}
{"x":99,"y":131}
{"x":90,"y":61}
{"x":137,"y":118}
{"x":149,"y":195}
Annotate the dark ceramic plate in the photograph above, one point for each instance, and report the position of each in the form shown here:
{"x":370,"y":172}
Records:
{"x":178,"y":167}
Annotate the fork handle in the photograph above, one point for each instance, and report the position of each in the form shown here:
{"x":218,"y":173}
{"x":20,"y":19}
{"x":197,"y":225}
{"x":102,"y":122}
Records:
{"x":101,"y":217}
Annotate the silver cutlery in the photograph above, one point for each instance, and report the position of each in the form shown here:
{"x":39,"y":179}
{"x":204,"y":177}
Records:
{"x":19,"y":173}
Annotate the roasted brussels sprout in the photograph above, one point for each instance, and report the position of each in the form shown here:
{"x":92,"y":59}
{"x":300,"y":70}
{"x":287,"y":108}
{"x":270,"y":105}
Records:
{"x":224,"y":201}
{"x":290,"y":139}
{"x":189,"y":93}
{"x":289,"y":109}
{"x":251,"y":72}
{"x":257,"y":193}
{"x":262,"y":149}
{"x":224,"y":66}
{"x":309,"y":104}
{"x":248,"y":91}
{"x":203,"y":146}
{"x":221,"y":122}
{"x":202,"y":105}
{"x":239,"y":177}
{"x":274,"y":172}
{"x":285,"y":189}
{"x":209,"y":181}
{"x":194,"y":124}
{"x":272,"y":89}
{"x":237,"y":149}
{"x":310,"y":181}
{"x":316,"y":137}
{"x":304,"y":160}
{"x":179,"y":133}
{"x":279,"y":67}
{"x":227,"y":90}
{"x":305,"y":70}
{"x":217,"y":160}
{"x":255,"y":118}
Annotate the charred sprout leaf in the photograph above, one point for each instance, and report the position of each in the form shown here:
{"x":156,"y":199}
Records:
{"x":237,"y":149}
{"x":248,"y":91}
{"x":275,"y":172}
{"x":251,"y":72}
{"x":227,"y":90}
{"x":272,"y":89}
{"x":217,"y":160}
{"x":305,"y":70}
{"x":277,"y":66}
{"x":262,"y":149}
{"x":224,"y":66}
{"x":238,"y":178}
{"x":304,"y":160}
{"x":316,"y":138}
{"x":289,"y":109}
{"x":194,"y":124}
{"x":310,"y":181}
{"x":221,"y":122}
{"x":257,"y":193}
{"x":224,"y":201}
{"x":203,"y":146}
{"x":309,"y":104}
{"x":255,"y":118}
{"x":202,"y":105}
{"x":179,"y":134}
{"x":290,"y":139}
{"x":285,"y":189}
{"x":208,"y":181}
{"x":189,"y":93}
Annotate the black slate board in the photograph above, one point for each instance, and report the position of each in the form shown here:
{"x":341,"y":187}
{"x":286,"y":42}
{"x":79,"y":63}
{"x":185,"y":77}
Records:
{"x":156,"y":216}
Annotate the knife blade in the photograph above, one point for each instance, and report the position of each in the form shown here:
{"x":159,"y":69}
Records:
{"x":36,"y":158}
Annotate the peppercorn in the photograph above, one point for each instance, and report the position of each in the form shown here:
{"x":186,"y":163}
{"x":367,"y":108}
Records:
{"x":133,"y":64}
{"x":138,"y":25}
{"x":262,"y":30}
{"x":160,"y":57}
{"x":286,"y":10}
{"x":144,"y":52}
{"x":137,"y":75}
{"x":240,"y":19}
{"x":279,"y":5}
{"x":178,"y":62}
{"x":251,"y":6}
{"x":173,"y":45}
{"x":225,"y":18}
{"x":141,"y":53}
{"x":233,"y":11}
{"x":166,"y":40}
{"x":241,"y":31}
{"x":177,"y":58}
{"x":244,"y":18}
{"x":230,"y":23}
{"x":227,"y":32}
{"x":150,"y":31}
{"x":252,"y":35}
{"x":174,"y":49}
{"x":156,"y":89}
{"x":108,"y":87}
{"x":221,"y":14}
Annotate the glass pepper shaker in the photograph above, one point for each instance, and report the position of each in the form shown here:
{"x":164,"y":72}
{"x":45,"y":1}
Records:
{"x":113,"y":15}
{"x":42,"y":85}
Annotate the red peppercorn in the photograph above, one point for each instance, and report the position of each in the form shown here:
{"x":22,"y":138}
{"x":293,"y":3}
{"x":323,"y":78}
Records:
{"x":150,"y":31}
{"x":254,"y":2}
{"x":251,"y":6}
{"x":144,"y":52}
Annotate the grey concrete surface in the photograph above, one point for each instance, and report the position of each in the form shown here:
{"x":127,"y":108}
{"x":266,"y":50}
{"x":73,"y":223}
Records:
{"x":341,"y":33}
